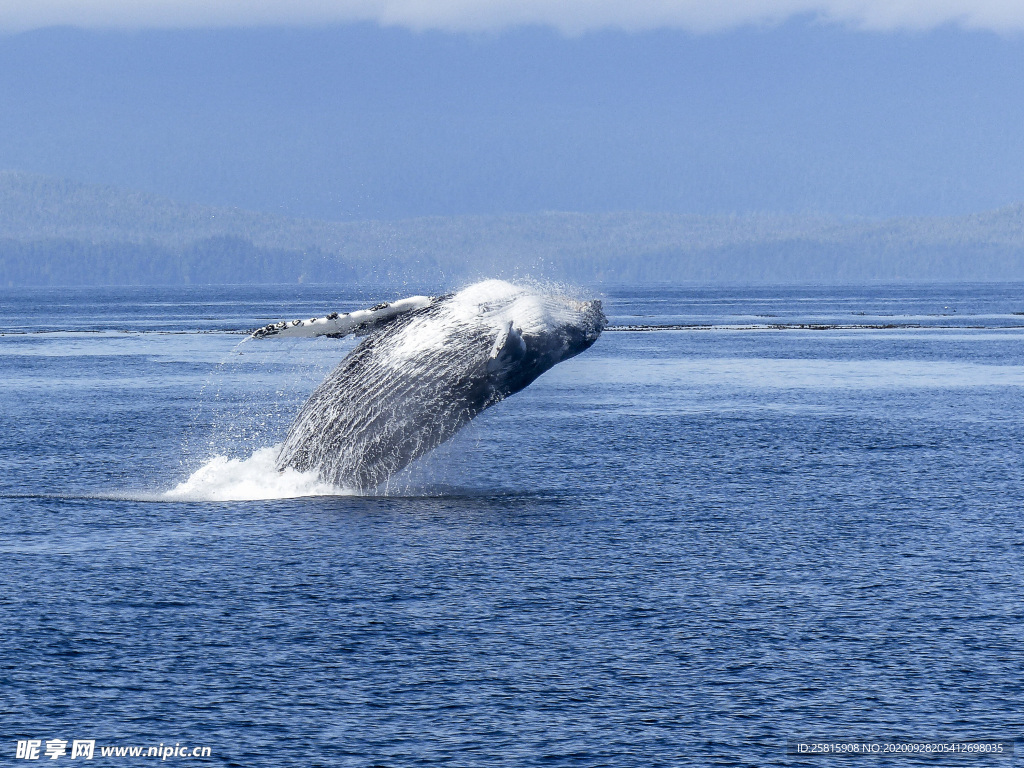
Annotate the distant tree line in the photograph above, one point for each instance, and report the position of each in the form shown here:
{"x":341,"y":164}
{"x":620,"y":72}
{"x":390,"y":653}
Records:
{"x":236,"y":260}
{"x":214,"y":260}
{"x":56,"y":232}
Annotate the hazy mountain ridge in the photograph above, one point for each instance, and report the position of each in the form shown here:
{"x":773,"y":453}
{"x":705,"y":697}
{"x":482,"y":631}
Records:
{"x":55,"y":232}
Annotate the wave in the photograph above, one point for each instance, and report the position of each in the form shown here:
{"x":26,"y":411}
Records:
{"x":253,"y":479}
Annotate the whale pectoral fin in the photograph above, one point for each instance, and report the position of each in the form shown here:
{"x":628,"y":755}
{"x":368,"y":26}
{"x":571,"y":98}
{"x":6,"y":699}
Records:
{"x":509,"y":348}
{"x":337,"y":325}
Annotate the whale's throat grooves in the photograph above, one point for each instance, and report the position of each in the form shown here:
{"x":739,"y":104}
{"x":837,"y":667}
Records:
{"x":380,"y":410}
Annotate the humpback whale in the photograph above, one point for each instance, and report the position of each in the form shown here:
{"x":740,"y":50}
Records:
{"x":425,"y":367}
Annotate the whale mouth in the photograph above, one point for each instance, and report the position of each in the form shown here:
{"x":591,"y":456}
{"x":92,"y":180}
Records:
{"x":600,"y":321}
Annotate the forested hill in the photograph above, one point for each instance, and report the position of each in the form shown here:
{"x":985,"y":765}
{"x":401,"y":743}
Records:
{"x":56,"y":232}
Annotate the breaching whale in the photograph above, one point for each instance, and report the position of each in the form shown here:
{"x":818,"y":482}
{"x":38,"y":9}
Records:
{"x":426,"y":367}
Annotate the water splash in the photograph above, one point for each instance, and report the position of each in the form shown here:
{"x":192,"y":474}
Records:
{"x":252,"y":479}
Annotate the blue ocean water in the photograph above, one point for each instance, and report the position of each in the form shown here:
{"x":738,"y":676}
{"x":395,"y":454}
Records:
{"x":744,"y":517}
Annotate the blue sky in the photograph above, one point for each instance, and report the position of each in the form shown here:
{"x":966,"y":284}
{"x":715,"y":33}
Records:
{"x":387,"y":110}
{"x":568,"y":16}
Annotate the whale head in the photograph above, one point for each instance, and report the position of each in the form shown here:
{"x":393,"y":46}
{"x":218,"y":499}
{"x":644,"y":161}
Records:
{"x":533,"y":330}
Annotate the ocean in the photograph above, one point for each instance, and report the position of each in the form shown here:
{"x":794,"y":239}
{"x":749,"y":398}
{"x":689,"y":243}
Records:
{"x":745,"y":521}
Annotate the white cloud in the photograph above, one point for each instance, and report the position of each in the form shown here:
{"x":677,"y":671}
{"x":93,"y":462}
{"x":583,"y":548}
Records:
{"x":569,"y":16}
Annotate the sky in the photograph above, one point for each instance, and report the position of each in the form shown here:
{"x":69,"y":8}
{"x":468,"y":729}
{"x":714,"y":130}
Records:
{"x":360,"y":110}
{"x":568,"y":16}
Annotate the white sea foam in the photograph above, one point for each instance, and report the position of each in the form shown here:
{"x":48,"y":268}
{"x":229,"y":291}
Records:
{"x":251,"y":479}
